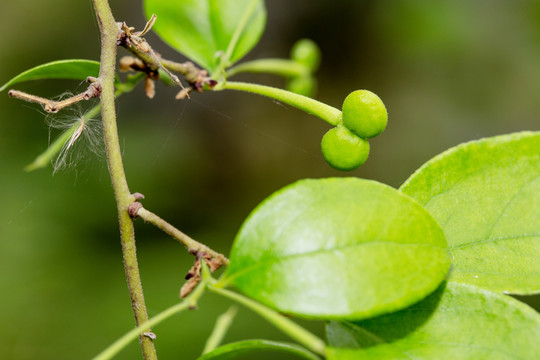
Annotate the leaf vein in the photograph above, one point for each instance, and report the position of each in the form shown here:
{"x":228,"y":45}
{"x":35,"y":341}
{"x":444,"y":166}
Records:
{"x":490,"y":240}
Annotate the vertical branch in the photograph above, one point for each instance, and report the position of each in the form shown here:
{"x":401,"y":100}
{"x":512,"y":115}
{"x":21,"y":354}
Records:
{"x":109,"y":36}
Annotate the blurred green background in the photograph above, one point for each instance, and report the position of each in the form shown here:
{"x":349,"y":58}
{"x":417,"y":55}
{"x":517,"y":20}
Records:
{"x":448,"y":72}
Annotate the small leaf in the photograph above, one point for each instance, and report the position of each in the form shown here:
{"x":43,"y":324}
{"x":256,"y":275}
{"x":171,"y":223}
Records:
{"x":338,"y":248}
{"x":457,"y":322}
{"x":204,"y":29}
{"x":75,"y":69}
{"x":486,"y":196}
{"x":254,"y":346}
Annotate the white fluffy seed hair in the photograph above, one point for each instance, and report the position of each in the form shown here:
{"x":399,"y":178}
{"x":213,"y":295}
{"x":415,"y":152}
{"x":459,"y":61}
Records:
{"x":86,"y":135}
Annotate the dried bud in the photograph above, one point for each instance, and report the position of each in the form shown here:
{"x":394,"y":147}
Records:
{"x":138,"y":196}
{"x":125,"y":63}
{"x":189,"y":286}
{"x":214,"y":264}
{"x":184,"y":93}
{"x":149,"y":87}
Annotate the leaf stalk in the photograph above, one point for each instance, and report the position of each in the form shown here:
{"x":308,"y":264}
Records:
{"x":287,"y":326}
{"x":326,"y":112}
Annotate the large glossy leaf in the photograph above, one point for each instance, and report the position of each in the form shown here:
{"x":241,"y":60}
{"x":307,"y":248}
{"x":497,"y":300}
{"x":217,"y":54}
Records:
{"x":75,"y":69}
{"x":486,"y":196}
{"x":460,"y":322}
{"x":338,"y":248}
{"x":203,"y":29}
{"x":245,"y":347}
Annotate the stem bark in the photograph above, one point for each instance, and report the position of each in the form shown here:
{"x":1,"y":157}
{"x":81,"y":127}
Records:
{"x":109,"y":35}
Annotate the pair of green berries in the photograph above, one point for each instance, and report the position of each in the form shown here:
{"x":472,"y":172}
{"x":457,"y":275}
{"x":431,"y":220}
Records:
{"x":364,"y":116}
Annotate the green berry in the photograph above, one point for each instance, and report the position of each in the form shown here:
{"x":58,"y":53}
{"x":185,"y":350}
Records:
{"x":303,"y":85}
{"x":364,"y":114}
{"x":306,"y":52}
{"x":344,"y":150}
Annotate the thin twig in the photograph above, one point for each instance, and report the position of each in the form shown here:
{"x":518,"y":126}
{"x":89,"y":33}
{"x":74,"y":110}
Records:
{"x":51,"y":106}
{"x":193,"y":246}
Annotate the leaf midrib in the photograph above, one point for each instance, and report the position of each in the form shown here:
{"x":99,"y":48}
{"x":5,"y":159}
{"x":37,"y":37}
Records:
{"x":288,"y":257}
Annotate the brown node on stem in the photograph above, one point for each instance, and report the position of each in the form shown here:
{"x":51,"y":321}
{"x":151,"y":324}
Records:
{"x":133,"y":209}
{"x":197,"y":79}
{"x":150,"y":335}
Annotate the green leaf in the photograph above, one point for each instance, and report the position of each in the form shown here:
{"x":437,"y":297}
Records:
{"x":486,"y":196}
{"x":338,"y":248}
{"x":457,"y":322}
{"x":254,"y":346}
{"x":75,"y":69}
{"x":203,"y":30}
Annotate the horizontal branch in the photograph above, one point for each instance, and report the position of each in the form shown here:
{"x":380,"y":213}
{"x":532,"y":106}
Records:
{"x":194,"y":247}
{"x":51,"y":106}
